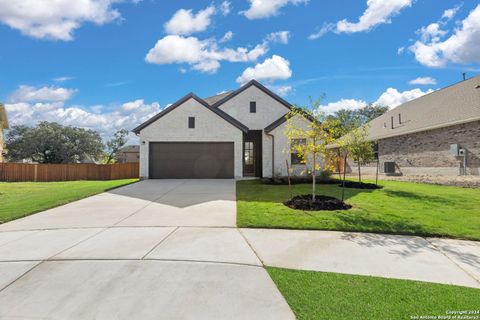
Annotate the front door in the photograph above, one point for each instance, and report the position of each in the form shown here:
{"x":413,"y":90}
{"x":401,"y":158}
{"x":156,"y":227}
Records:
{"x":252,"y":153}
{"x":249,"y":158}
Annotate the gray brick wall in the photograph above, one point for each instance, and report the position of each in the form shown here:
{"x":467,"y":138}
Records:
{"x":428,"y":152}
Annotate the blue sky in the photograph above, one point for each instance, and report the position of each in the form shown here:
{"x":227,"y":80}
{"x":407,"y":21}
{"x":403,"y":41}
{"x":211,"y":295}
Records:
{"x":109,"y":64}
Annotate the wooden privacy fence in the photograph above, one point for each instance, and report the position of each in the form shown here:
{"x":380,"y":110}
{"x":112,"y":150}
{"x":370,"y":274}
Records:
{"x":67,"y":172}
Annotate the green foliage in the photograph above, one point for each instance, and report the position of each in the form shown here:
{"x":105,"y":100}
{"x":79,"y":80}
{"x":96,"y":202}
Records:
{"x":357,"y":146}
{"x":314,"y":136}
{"x":19,"y":199}
{"x":118,"y":140}
{"x":348,"y":120}
{"x":50,"y":142}
{"x":397,"y":208}
{"x":325,"y":295}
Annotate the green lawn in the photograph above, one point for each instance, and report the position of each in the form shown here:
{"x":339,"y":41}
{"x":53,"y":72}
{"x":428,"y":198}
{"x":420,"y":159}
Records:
{"x":398,"y":208}
{"x":19,"y":199}
{"x":320,"y":295}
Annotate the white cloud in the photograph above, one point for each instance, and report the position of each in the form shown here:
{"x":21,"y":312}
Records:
{"x":450,"y":13}
{"x":184,"y":22}
{"x":267,"y":8}
{"x":423,"y":81}
{"x":125,"y":116}
{"x":57,"y":20}
{"x":63,"y":79}
{"x":274,"y":68}
{"x":279,"y":36}
{"x":377,"y":12}
{"x":281,"y":90}
{"x":348,"y":104}
{"x":327,"y":27}
{"x":225,"y":8}
{"x":202,"y":55}
{"x":226,"y":37}
{"x":462,"y":46}
{"x":29,"y":93}
{"x":400,"y":50}
{"x":392,"y":97}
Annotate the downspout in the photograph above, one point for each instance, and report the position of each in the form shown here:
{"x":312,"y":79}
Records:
{"x":273,"y":152}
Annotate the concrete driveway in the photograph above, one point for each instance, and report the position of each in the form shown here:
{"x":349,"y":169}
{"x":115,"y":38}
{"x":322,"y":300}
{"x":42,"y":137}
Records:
{"x":169,"y":249}
{"x":158,"y":249}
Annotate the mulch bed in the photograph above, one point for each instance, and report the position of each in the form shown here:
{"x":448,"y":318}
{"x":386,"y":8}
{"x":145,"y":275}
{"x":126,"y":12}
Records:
{"x":304,"y":202}
{"x":360,"y":185}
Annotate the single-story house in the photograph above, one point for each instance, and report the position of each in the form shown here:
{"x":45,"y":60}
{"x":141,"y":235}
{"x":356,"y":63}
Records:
{"x":436,"y":134}
{"x":234,"y":134}
{"x":3,"y":125}
{"x":128,"y":154}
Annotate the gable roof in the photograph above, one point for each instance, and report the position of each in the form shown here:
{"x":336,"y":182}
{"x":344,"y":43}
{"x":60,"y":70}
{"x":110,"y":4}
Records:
{"x":191,"y":95}
{"x":283,"y":119}
{"x":3,"y":117}
{"x":213,"y":99}
{"x":248,"y":85}
{"x":455,"y":104}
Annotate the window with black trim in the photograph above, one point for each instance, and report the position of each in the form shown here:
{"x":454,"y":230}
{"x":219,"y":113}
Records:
{"x":253,"y":107}
{"x":295,"y":158}
{"x":191,"y":122}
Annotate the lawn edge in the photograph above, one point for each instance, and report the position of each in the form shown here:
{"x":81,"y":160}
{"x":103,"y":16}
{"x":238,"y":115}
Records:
{"x":70,"y":201}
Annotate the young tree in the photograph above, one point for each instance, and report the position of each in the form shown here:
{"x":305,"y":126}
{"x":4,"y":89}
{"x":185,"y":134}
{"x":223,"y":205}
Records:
{"x":358,"y":147}
{"x":113,"y":145}
{"x":50,"y":142}
{"x":310,"y":140}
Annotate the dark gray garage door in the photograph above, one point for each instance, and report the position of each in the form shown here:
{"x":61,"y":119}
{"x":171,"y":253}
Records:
{"x":183,"y":160}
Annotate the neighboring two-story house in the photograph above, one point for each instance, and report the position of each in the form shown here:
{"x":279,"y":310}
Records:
{"x":3,"y":125}
{"x":234,"y":134}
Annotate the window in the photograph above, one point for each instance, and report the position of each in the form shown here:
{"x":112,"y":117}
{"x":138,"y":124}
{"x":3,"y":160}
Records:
{"x":249,"y":153}
{"x":253,"y":107}
{"x":191,"y":122}
{"x":295,"y":158}
{"x":375,"y":150}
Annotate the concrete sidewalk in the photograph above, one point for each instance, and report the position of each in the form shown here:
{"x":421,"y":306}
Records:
{"x":403,"y":257}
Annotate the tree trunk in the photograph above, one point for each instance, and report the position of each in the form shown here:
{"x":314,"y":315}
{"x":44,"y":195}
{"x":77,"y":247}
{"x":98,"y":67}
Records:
{"x":313,"y":179}
{"x":376,"y":174}
{"x":343,"y":183}
{"x":359,"y":176}
{"x":339,"y":164}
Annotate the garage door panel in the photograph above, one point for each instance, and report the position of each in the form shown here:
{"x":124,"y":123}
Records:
{"x":182,"y":160}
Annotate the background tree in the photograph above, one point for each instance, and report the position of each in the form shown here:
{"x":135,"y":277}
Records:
{"x":315,"y":136}
{"x":347,"y":119}
{"x":50,"y":142}
{"x":113,"y":145}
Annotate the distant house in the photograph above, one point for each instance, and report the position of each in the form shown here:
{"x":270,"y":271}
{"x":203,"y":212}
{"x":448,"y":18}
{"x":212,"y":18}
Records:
{"x":436,"y":134}
{"x":128,"y":154}
{"x":3,"y":125}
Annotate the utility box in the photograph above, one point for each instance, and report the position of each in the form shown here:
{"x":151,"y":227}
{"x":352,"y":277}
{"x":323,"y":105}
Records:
{"x":389,"y":167}
{"x":454,"y":149}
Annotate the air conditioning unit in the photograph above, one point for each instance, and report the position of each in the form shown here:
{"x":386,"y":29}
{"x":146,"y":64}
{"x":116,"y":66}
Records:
{"x":389,"y":167}
{"x":454,"y":149}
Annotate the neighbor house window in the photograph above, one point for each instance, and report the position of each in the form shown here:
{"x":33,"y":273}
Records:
{"x":253,"y":106}
{"x":295,"y":158}
{"x":191,"y":122}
